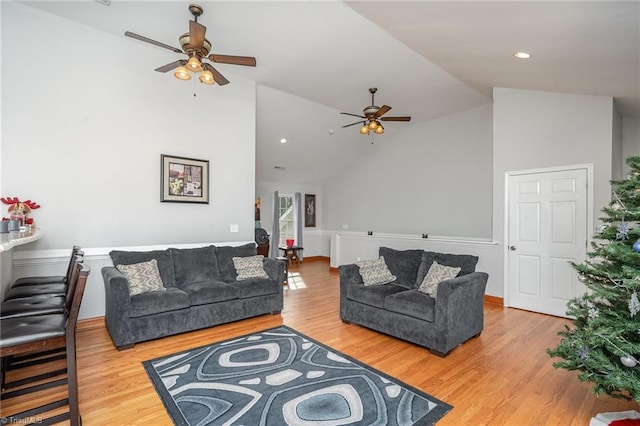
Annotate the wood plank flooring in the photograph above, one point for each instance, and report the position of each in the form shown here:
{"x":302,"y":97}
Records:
{"x":503,"y":377}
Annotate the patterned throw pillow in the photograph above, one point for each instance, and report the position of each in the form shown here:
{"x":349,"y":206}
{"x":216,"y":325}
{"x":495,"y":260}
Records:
{"x":143,"y":277}
{"x":437,"y":273}
{"x":375,"y":272}
{"x":249,"y":267}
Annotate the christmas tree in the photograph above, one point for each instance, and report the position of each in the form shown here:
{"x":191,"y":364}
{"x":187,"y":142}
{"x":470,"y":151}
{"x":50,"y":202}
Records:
{"x":604,"y":342}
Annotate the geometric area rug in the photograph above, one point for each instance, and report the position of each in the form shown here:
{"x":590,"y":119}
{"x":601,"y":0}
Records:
{"x":282,"y":377}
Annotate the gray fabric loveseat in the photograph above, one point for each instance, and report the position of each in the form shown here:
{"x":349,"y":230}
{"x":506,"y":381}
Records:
{"x":399,"y":309}
{"x":196,"y":288}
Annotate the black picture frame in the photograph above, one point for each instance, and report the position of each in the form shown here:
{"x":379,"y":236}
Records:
{"x":309,"y":210}
{"x":184,"y":180}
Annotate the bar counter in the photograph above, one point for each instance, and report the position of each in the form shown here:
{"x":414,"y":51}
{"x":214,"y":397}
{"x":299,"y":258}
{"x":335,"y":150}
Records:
{"x":10,"y":240}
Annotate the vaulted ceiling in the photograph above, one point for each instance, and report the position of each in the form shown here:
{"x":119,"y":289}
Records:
{"x":427,"y":58}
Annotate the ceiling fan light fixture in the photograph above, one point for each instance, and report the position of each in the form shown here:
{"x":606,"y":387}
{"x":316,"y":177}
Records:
{"x":371,"y":117}
{"x":194,"y":64}
{"x":182,"y":74}
{"x":207,"y":78}
{"x":196,"y":47}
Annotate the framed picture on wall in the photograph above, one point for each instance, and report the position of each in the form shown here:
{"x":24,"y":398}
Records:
{"x":184,"y":180}
{"x":309,"y":210}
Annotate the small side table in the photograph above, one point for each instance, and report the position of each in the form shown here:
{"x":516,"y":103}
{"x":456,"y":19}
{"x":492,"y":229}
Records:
{"x":292,"y":253}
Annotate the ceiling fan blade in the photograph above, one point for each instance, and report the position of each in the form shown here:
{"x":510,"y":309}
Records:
{"x":196,"y":34}
{"x":353,"y":124}
{"x":383,"y":110}
{"x":395,"y":119}
{"x":148,"y":40}
{"x":355,"y":115}
{"x":248,"y":61}
{"x":219,"y":78}
{"x":171,"y":66}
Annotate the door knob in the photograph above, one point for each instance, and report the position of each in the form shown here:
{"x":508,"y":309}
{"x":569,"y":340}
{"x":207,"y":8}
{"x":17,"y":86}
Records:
{"x":512,"y":248}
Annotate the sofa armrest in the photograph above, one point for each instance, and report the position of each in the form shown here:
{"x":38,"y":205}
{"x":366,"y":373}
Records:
{"x":460,"y":306}
{"x":274,"y":268}
{"x":349,"y":275}
{"x":117,"y":305}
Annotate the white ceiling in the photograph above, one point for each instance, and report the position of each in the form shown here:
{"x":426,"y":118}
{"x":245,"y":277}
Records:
{"x":428,"y":59}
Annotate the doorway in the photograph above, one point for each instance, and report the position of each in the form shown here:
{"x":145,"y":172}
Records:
{"x":548,"y":216}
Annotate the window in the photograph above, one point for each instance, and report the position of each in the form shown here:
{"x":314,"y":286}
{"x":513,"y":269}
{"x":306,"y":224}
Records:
{"x":285,"y":214}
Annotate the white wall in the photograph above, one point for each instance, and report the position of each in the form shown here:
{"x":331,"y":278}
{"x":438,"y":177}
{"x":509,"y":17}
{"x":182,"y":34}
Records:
{"x":54,"y":262}
{"x":617,"y":159}
{"x":84,"y":127}
{"x":630,"y":140}
{"x":82,"y":135}
{"x":82,"y":132}
{"x":433,"y":177}
{"x":353,"y":246}
{"x":539,"y":130}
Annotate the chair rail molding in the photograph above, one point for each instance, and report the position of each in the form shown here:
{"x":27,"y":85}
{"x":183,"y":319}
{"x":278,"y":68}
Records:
{"x":349,"y":247}
{"x":53,"y":262}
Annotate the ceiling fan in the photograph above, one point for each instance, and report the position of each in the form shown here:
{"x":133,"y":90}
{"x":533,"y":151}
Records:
{"x":372,"y":116}
{"x":196,"y":47}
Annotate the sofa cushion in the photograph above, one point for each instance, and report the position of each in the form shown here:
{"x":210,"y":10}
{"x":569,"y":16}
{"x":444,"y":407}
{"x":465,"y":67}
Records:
{"x":195,"y":265}
{"x":206,"y":292}
{"x":225,"y":255}
{"x":165,"y":262}
{"x":142,"y":277}
{"x":403,"y":264}
{"x":374,"y":272}
{"x":412,"y":303}
{"x":249,"y":267}
{"x":466,"y":262}
{"x":253,"y":287}
{"x":437,"y":273}
{"x":156,"y":302}
{"x":372,"y":295}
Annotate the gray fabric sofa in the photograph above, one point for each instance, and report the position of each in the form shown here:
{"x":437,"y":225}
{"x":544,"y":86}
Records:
{"x":201,"y":291}
{"x":400,"y":310}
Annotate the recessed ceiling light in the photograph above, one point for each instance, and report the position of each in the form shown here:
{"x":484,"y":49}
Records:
{"x":283,"y":140}
{"x":522,"y":55}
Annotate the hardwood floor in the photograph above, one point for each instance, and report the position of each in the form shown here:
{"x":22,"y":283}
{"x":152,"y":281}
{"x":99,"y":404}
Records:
{"x":503,"y":377}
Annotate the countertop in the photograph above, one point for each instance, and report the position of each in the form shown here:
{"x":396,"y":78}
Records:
{"x":13,"y":239}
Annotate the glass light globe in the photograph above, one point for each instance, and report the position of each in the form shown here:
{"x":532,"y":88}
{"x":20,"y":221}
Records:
{"x":207,"y":78}
{"x":373,"y":124}
{"x":364,"y":130}
{"x":194,"y":64}
{"x":182,"y":74}
{"x":379,"y":130}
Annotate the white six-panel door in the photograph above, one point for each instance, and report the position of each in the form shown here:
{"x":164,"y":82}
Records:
{"x":547,"y":229}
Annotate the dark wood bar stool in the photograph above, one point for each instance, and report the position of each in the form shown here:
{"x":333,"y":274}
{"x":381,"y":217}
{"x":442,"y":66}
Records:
{"x":42,"y":304}
{"x":32,"y":286}
{"x":50,"y":279}
{"x":42,"y":334}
